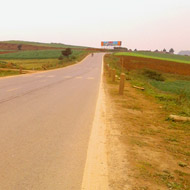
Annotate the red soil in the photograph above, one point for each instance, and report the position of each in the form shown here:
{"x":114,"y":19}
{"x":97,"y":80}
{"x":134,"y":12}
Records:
{"x":4,"y":52}
{"x":8,"y":46}
{"x":131,"y":63}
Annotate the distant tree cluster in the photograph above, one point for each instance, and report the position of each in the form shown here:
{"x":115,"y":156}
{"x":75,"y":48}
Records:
{"x":171,"y":51}
{"x":67,"y":52}
{"x":19,"y":46}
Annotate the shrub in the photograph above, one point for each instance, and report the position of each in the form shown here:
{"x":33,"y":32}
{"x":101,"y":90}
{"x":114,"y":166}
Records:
{"x":73,"y":57}
{"x":153,"y":75}
{"x":60,"y":57}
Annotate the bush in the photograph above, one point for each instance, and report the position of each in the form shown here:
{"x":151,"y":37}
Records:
{"x":60,"y":57}
{"x":73,"y":57}
{"x":153,"y":75}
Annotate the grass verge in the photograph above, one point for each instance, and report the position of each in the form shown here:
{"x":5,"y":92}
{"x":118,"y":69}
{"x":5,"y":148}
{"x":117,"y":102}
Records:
{"x":8,"y":73}
{"x":156,"y":150}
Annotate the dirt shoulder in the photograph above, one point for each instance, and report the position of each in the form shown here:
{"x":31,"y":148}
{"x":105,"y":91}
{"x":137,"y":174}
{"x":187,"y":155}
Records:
{"x":144,"y":150}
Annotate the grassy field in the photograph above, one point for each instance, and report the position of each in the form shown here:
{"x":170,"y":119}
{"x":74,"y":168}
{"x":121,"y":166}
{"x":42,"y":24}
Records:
{"x":161,"y":56}
{"x":39,"y":59}
{"x":173,"y":92}
{"x":57,"y":45}
{"x":38,"y":54}
{"x":157,"y":148}
{"x":5,"y":50}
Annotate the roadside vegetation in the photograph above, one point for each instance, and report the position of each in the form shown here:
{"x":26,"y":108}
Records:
{"x":157,"y":149}
{"x":4,"y":73}
{"x":173,"y":91}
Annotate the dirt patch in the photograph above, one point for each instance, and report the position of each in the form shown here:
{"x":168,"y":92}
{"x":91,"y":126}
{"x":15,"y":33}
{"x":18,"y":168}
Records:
{"x":131,"y":62}
{"x":145,"y":152}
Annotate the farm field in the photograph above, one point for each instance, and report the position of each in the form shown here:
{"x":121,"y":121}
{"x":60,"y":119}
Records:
{"x":40,"y":45}
{"x":2,"y":50}
{"x":157,"y":149}
{"x":160,"y":56}
{"x":37,"y":60}
{"x":133,"y":62}
{"x":37,"y":54}
{"x":6,"y":51}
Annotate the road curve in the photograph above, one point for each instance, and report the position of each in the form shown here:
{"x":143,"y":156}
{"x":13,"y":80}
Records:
{"x":45,"y":124}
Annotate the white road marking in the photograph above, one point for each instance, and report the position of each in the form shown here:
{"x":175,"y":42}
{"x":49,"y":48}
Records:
{"x":67,"y":77}
{"x":90,"y":78}
{"x":13,"y":89}
{"x":78,"y":77}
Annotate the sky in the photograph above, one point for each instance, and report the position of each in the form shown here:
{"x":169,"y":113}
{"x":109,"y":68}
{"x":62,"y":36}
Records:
{"x":140,"y":24}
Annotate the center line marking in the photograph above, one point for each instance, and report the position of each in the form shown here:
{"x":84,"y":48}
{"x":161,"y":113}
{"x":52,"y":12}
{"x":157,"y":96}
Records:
{"x":90,"y":78}
{"x":78,"y":77}
{"x":13,"y":89}
{"x":67,"y":76}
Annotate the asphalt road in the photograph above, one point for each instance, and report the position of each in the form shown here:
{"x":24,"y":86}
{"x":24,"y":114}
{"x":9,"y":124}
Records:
{"x":45,"y":124}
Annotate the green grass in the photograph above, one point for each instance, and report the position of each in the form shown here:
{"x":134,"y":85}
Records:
{"x":175,"y":87}
{"x":160,"y":56}
{"x":173,"y":93}
{"x":37,"y":54}
{"x":57,"y":45}
{"x":6,"y":50}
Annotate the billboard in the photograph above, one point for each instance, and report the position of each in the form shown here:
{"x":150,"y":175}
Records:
{"x":111,"y":43}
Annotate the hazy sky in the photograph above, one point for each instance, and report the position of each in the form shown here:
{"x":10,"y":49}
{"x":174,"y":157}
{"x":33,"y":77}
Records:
{"x":141,"y":24}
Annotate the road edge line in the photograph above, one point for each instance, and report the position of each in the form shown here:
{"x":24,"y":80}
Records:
{"x":95,"y":176}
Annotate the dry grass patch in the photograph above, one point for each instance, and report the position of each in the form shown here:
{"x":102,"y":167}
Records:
{"x":146,"y":151}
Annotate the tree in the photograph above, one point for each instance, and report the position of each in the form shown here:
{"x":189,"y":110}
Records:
{"x":164,"y":50}
{"x":135,"y":49}
{"x":67,"y":52}
{"x":171,"y":51}
{"x":19,"y":46}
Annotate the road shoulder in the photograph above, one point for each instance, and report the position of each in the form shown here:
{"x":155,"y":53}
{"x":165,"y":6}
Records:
{"x":96,"y":172}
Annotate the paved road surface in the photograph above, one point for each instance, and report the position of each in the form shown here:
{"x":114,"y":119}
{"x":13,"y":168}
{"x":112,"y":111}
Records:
{"x":45,"y":124}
